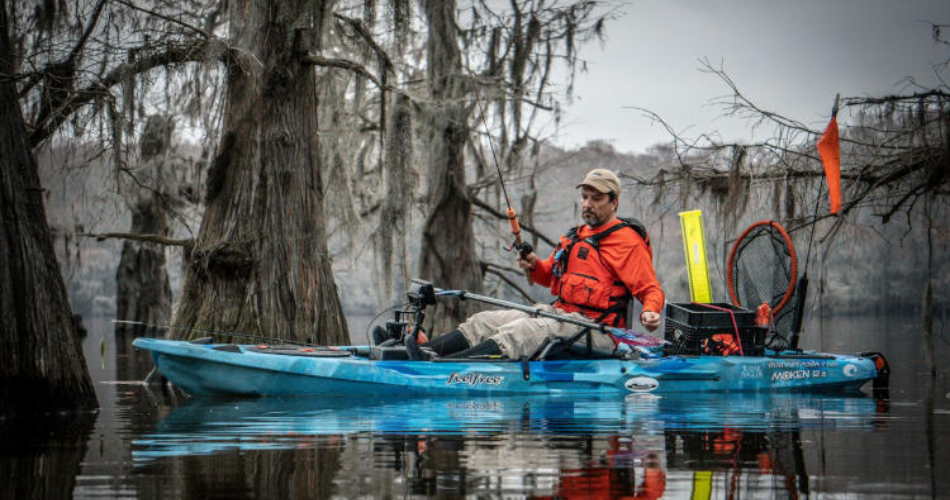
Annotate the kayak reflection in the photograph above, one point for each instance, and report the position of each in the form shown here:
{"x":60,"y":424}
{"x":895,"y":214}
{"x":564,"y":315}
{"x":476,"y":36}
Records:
{"x":549,"y":446}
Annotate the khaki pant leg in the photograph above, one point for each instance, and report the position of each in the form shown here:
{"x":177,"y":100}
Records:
{"x":599,"y":340}
{"x":523,"y":336}
{"x":481,"y":326}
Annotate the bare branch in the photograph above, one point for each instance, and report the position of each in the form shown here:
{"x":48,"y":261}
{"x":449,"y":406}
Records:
{"x":199,"y":50}
{"x":143,"y":238}
{"x":486,"y":207}
{"x":360,"y":29}
{"x":170,"y":19}
{"x":490,"y":269}
{"x":346,"y":64}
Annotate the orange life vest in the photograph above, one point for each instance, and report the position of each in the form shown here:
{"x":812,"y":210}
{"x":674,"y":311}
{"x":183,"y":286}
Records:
{"x":582,"y":281}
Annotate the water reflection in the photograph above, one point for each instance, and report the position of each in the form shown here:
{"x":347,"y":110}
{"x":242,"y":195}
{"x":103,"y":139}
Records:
{"x":40,"y":456}
{"x":523,"y":446}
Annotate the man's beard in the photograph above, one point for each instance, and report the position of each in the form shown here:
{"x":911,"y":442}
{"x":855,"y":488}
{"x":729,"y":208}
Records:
{"x":592,"y":220}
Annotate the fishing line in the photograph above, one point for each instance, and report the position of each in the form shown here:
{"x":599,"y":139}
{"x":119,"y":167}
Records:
{"x":491,"y":144}
{"x":524,"y":249}
{"x":217,"y":332}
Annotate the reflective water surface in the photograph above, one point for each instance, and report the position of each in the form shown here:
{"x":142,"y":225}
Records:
{"x":146,"y":444}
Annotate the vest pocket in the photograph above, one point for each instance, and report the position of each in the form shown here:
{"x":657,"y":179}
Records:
{"x":584,"y":290}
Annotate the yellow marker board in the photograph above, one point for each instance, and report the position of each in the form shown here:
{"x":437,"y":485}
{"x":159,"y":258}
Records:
{"x":695,"y":246}
{"x":702,"y":485}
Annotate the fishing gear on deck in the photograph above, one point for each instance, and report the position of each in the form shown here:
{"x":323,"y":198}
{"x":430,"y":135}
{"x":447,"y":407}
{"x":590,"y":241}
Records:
{"x":215,"y":332}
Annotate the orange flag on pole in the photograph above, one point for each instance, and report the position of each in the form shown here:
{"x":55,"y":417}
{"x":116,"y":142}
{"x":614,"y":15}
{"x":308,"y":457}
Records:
{"x":830,"y":151}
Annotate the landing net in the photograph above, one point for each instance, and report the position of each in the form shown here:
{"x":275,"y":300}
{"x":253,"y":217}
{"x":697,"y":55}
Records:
{"x":763,"y":269}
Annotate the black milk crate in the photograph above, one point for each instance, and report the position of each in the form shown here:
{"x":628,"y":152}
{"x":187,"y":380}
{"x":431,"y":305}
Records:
{"x":703,"y":316}
{"x":689,"y":325}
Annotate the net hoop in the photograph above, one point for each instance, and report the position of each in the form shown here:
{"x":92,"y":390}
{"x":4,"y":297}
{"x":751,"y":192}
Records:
{"x":794,"y":258}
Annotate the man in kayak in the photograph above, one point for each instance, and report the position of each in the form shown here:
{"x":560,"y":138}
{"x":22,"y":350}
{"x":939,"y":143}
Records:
{"x":594,"y":272}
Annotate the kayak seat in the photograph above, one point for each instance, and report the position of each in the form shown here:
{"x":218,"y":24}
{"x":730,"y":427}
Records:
{"x":577,"y":346}
{"x":578,"y":350}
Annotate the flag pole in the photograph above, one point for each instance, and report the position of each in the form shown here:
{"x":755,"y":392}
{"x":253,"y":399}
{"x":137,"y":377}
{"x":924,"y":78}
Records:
{"x":802,"y":287}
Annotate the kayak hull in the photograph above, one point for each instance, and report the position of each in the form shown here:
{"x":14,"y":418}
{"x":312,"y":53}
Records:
{"x":215,"y":369}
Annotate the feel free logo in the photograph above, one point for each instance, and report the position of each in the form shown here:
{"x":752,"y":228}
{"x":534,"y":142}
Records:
{"x":473,"y":379}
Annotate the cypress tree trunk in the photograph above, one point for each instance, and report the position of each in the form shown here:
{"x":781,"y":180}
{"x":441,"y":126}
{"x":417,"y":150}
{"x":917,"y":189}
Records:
{"x":392,"y":270}
{"x":448,"y":243}
{"x":260,"y":262}
{"x":42,"y":367}
{"x":143,"y":292}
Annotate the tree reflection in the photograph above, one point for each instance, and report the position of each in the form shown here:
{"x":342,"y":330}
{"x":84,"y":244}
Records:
{"x":284,"y":474}
{"x":41,"y":457}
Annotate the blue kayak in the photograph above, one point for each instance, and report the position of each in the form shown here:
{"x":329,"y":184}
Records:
{"x":228,"y":369}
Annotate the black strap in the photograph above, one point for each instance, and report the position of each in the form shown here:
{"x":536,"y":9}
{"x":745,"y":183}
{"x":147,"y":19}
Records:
{"x":638,"y":227}
{"x":619,"y":309}
{"x":630,"y":222}
{"x":571,"y":233}
{"x":559,"y":344}
{"x":594,"y":240}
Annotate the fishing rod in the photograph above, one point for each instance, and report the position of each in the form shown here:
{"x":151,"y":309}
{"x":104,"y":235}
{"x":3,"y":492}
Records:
{"x":524,"y":248}
{"x":216,"y":332}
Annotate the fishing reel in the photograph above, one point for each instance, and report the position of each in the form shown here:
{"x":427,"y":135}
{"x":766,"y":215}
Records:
{"x":421,"y":294}
{"x":524,"y":249}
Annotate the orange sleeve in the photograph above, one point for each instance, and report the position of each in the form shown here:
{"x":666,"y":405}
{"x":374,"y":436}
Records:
{"x":542,"y":273}
{"x":632,"y":261}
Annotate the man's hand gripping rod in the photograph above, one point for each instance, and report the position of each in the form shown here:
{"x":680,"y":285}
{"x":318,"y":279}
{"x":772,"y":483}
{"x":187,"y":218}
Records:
{"x":524,"y":248}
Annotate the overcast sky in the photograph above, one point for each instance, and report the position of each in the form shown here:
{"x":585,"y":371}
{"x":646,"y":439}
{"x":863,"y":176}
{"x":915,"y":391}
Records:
{"x":787,"y":56}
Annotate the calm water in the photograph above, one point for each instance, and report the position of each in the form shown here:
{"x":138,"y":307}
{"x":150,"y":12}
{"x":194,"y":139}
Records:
{"x":147,"y":445}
